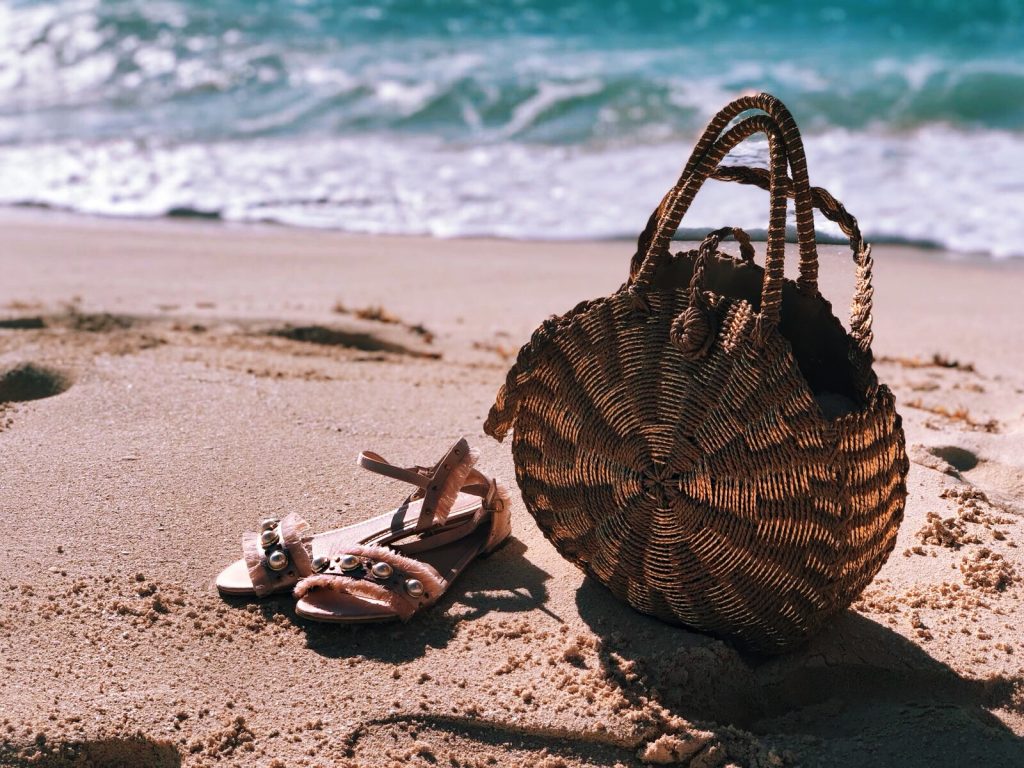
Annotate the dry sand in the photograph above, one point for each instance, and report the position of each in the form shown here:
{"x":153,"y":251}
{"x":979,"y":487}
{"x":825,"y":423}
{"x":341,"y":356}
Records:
{"x":201,"y":379}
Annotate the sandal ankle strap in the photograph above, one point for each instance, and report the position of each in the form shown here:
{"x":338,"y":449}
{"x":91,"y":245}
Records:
{"x":440,"y":485}
{"x":381,"y":466}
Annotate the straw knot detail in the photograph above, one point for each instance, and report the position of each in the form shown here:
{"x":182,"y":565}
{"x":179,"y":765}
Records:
{"x":693,"y":332}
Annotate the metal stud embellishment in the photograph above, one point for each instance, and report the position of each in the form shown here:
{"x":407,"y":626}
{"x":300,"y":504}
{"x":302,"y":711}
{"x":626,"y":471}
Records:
{"x":277,"y":560}
{"x":348,"y":563}
{"x":414,"y":587}
{"x":269,"y":537}
{"x":382,"y":570}
{"x":321,"y":564}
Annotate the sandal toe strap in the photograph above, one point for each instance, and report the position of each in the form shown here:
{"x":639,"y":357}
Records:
{"x":279,"y":555}
{"x":379,"y":575}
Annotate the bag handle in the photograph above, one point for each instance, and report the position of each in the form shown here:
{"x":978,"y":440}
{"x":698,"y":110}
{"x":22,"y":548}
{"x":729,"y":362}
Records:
{"x":665,"y":220}
{"x":693,"y":330}
{"x":771,"y":291}
{"x":834,"y":211}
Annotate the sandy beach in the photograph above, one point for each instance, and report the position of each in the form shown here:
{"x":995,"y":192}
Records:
{"x":199,"y":377}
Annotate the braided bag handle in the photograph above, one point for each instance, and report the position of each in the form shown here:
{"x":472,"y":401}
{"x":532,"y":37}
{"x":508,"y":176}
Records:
{"x":693,"y":330}
{"x":834,"y":211}
{"x":673,"y":207}
{"x":679,"y":199}
{"x":655,"y":240}
{"x":665,"y":220}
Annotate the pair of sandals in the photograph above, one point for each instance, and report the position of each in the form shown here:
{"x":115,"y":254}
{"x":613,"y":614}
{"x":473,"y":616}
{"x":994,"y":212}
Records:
{"x":389,"y":567}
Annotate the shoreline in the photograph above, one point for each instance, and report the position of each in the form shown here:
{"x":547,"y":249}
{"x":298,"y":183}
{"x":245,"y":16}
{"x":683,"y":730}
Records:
{"x":29,"y":214}
{"x":189,"y":411}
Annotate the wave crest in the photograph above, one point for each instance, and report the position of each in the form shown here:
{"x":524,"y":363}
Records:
{"x":898,"y":187}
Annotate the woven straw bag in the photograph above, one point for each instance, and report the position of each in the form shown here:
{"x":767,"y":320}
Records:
{"x":709,"y":442}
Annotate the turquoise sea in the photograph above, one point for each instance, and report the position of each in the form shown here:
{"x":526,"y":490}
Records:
{"x":524,"y":119}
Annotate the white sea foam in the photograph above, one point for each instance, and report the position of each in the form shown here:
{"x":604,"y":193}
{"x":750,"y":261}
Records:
{"x":940,"y":186}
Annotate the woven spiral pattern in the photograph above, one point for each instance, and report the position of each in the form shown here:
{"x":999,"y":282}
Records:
{"x":706,"y":489}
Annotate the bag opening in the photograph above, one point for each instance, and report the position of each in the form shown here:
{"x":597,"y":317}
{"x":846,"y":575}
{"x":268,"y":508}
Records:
{"x":821,"y":346}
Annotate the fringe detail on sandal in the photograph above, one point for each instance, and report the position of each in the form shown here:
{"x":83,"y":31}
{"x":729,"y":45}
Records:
{"x":361,"y":588}
{"x":294,"y":531}
{"x":457,"y":477}
{"x":252,"y":551}
{"x":391,"y":593}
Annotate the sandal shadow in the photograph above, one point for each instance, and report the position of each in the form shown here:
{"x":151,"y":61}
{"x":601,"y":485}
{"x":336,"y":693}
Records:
{"x":505,"y":582}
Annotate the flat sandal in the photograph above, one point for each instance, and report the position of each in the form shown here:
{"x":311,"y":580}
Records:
{"x":402,"y":570}
{"x":284,"y":551}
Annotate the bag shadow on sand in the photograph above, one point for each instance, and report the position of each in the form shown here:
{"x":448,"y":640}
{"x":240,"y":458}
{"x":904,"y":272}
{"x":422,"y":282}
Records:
{"x":857,"y":688}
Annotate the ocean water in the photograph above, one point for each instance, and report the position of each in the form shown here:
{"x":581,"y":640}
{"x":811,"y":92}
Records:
{"x":525,"y":119}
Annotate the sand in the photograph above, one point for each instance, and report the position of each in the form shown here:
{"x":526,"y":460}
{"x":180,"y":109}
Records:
{"x":194,"y":378}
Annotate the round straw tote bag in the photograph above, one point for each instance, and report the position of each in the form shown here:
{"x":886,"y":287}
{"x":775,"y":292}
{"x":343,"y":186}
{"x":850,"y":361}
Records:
{"x":709,"y":442}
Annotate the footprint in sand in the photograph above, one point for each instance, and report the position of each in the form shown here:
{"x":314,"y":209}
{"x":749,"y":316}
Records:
{"x":339,"y":337}
{"x":22,"y":323}
{"x":93,"y":322}
{"x":1001,"y":479}
{"x":28,"y":381}
{"x":133,"y":750}
{"x":949,"y":459}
